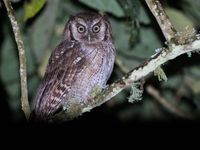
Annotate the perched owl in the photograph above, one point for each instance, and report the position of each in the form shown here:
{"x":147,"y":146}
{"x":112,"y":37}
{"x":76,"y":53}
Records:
{"x":83,"y":60}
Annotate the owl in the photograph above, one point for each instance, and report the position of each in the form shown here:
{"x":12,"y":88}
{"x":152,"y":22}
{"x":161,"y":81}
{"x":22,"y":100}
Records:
{"x":83,"y":60}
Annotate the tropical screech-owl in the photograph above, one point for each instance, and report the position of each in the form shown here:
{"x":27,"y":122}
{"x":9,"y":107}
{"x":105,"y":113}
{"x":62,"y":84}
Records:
{"x":83,"y":60}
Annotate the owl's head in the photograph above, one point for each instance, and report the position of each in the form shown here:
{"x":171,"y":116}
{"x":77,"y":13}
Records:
{"x":88,"y":27}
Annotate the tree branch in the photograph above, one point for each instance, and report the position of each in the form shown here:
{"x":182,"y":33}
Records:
{"x":163,"y":20}
{"x":139,"y":72}
{"x":22,"y":58}
{"x":165,"y":103}
{"x":187,"y":42}
{"x":131,"y":77}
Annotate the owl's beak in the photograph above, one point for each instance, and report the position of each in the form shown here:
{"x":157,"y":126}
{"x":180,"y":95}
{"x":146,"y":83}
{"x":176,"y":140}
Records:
{"x":89,"y":38}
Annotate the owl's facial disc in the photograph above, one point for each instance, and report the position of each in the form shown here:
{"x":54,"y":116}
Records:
{"x":88,"y":30}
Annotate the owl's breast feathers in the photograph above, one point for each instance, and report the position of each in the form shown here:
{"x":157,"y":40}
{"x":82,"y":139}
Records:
{"x":72,"y":72}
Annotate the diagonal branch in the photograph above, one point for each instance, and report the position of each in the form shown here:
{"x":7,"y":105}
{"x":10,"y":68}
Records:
{"x":22,"y":58}
{"x":131,"y":77}
{"x":163,"y":20}
{"x":141,"y":71}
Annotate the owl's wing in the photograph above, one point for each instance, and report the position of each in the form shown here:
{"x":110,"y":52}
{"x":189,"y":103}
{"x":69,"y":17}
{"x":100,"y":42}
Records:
{"x":58,"y":77}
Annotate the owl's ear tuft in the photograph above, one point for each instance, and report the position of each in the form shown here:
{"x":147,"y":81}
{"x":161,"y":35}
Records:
{"x":108,"y":33}
{"x":67,"y":30}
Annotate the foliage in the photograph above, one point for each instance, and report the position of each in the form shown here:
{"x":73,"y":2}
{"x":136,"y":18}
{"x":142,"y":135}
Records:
{"x":105,"y":5}
{"x":42,"y":31}
{"x":32,"y":8}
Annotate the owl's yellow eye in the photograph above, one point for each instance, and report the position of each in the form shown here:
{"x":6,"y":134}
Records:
{"x":81,"y":29}
{"x":96,"y":29}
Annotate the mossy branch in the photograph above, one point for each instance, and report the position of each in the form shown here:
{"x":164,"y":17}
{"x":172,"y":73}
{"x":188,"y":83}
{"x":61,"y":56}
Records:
{"x":22,"y":58}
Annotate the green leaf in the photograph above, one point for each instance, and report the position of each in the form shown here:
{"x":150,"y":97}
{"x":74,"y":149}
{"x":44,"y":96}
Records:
{"x":179,"y":20}
{"x":9,"y":71}
{"x":144,"y":17}
{"x":142,"y":50}
{"x":145,"y":48}
{"x":32,"y":8}
{"x":132,"y":10}
{"x":41,"y":31}
{"x":110,"y":6}
{"x":9,"y":68}
{"x":191,"y":8}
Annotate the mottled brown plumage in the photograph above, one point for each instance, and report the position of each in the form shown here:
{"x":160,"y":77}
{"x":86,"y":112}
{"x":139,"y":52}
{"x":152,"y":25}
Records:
{"x":82,"y":61}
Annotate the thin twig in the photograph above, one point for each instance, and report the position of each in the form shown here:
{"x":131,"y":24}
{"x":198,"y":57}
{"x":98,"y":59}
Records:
{"x":163,"y":20}
{"x":22,"y":58}
{"x":165,"y":103}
